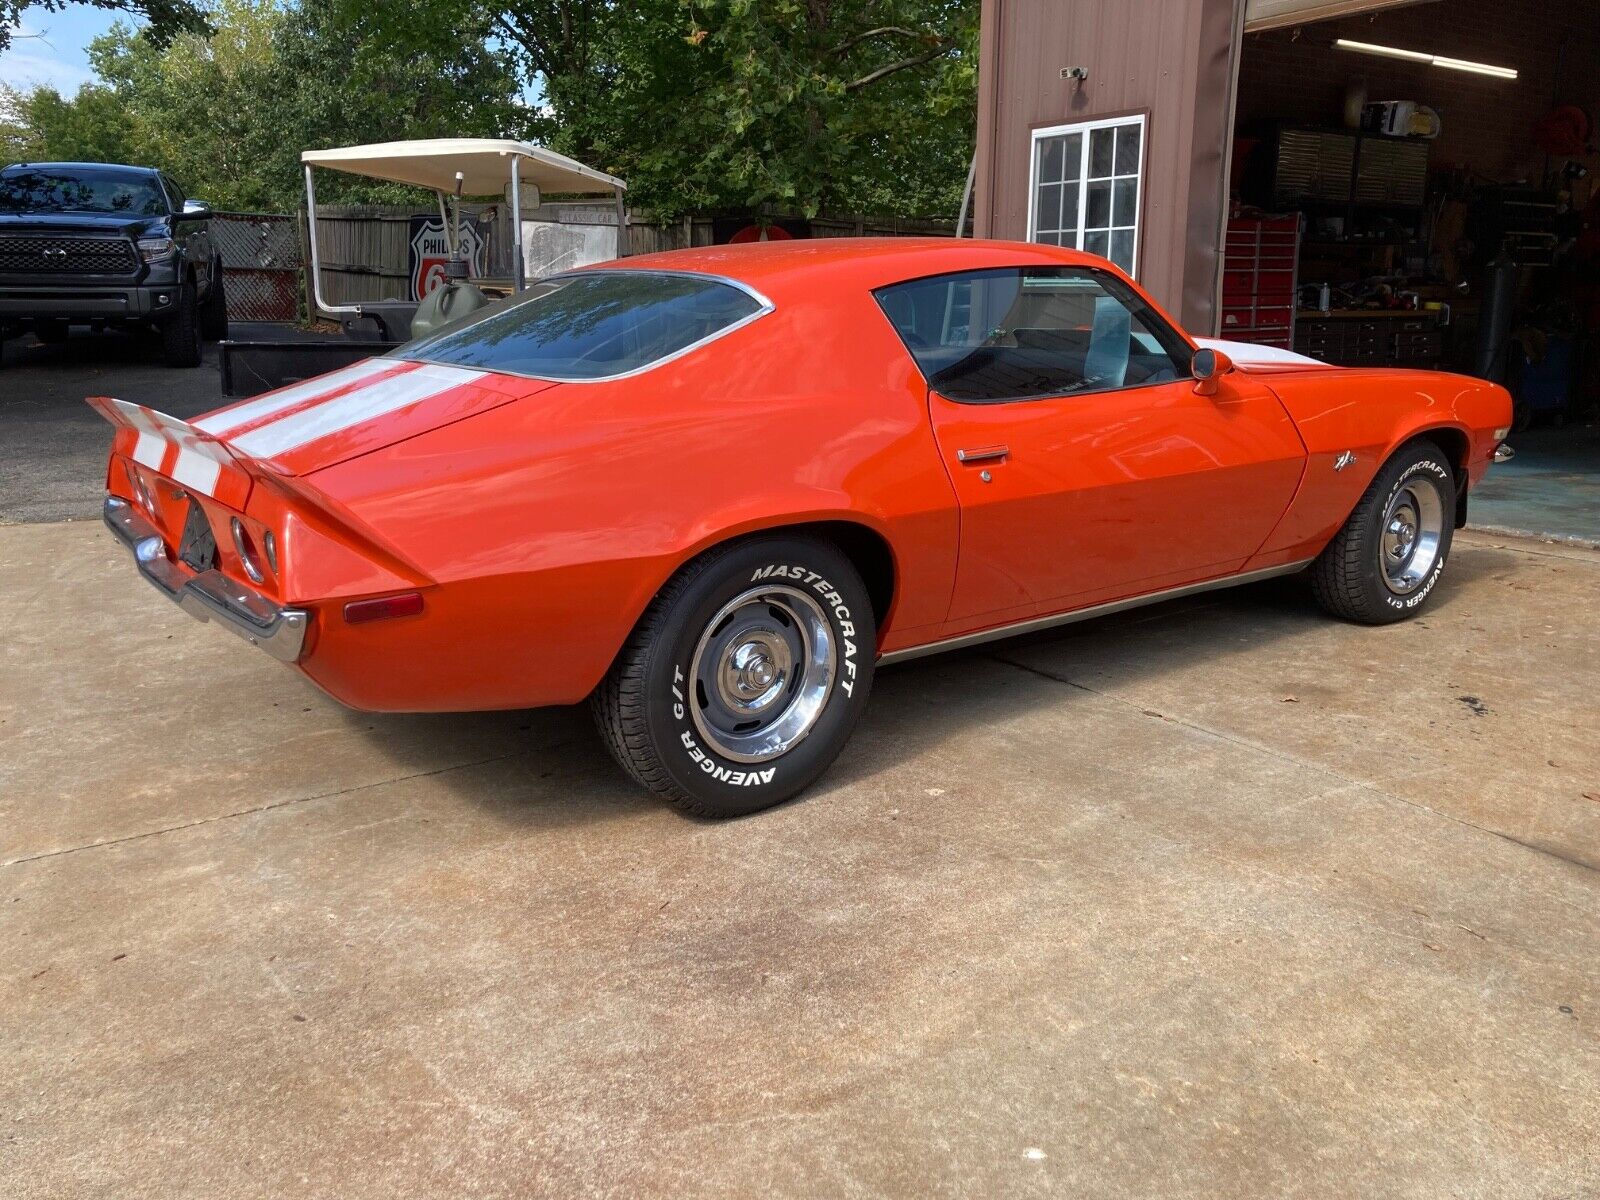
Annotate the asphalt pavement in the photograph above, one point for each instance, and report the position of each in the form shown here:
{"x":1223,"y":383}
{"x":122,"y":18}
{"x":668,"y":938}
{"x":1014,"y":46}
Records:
{"x":53,"y":446}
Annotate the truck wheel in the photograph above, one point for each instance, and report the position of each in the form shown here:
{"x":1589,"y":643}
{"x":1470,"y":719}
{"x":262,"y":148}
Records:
{"x":1383,"y":564}
{"x":180,"y":332}
{"x":744,"y":678}
{"x":214,"y":312}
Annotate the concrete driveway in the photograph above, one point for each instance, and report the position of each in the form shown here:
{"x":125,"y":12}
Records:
{"x":1220,"y":898}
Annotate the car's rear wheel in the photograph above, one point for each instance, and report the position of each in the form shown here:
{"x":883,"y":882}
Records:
{"x":180,"y":332}
{"x":1383,"y":564}
{"x":744,"y":678}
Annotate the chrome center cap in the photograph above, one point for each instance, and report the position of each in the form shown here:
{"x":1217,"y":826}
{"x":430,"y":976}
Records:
{"x":1405,"y":534}
{"x":754,"y":671}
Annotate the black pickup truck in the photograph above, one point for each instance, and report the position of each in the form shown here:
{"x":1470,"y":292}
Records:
{"x":103,"y":245}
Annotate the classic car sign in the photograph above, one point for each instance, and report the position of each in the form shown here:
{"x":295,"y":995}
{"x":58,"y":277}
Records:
{"x":712,"y":491}
{"x":430,"y":249}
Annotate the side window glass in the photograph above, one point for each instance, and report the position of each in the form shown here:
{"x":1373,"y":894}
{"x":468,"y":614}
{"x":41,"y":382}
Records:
{"x":174,"y":193}
{"x":986,"y":337}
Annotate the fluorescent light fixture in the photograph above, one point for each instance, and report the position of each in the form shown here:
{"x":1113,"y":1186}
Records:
{"x":1461,"y":64}
{"x":1437,"y":60}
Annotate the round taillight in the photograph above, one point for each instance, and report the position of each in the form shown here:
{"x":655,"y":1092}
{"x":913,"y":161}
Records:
{"x":270,"y":545}
{"x":246,"y":550}
{"x":140,"y":488}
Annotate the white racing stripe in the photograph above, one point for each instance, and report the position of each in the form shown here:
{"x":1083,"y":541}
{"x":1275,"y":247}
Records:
{"x":197,"y":464}
{"x":354,"y":408}
{"x":151,"y":445}
{"x":196,"y":471}
{"x":276,"y":402}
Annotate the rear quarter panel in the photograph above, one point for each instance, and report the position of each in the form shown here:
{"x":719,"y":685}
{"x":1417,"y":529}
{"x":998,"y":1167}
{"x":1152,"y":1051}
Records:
{"x":548,"y":524}
{"x":1371,"y":413}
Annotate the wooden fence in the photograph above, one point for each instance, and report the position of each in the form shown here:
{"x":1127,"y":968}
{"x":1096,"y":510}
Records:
{"x":365,"y":249}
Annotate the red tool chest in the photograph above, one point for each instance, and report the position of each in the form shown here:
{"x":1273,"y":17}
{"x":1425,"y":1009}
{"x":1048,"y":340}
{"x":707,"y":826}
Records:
{"x":1259,"y":279}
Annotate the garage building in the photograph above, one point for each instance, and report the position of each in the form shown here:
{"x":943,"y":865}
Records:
{"x":1367,"y":182}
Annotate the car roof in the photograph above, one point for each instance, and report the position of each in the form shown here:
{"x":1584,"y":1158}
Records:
{"x":82,"y":166}
{"x":853,"y":262}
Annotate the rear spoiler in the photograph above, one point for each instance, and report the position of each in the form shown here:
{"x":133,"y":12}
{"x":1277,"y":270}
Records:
{"x":202,"y":463}
{"x":178,"y":450}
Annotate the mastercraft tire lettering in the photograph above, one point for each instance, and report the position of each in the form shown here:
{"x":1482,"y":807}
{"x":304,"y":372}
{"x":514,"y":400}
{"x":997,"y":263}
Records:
{"x":1385,"y":562}
{"x":745,"y":677}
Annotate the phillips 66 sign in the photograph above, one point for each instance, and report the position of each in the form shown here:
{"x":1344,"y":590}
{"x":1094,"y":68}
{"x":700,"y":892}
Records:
{"x":430,"y":248}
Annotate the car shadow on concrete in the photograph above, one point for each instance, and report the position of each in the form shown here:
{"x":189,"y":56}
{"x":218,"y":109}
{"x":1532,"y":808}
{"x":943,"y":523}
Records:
{"x":1128,"y":648}
{"x":547,"y":768}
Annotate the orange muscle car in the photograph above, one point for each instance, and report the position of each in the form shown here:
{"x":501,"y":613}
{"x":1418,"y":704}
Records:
{"x":710,"y":491}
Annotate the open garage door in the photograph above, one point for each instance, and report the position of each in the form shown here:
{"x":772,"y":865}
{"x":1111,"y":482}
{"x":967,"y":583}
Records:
{"x":1415,"y":185}
{"x":1274,"y":14}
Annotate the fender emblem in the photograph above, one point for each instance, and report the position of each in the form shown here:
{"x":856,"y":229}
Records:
{"x":1344,"y":460}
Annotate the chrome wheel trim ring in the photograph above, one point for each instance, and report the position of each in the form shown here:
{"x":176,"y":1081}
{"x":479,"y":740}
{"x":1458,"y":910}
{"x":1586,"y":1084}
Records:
{"x":1410,"y":536}
{"x":761,"y":672}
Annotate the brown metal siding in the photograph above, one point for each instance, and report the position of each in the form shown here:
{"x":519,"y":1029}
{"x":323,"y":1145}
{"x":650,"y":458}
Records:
{"x":1175,"y":60}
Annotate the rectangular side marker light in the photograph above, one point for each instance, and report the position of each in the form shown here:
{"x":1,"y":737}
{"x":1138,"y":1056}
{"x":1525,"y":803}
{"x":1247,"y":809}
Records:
{"x":406,"y":604}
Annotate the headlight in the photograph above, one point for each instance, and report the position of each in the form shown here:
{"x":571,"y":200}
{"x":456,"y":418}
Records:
{"x":154,"y":250}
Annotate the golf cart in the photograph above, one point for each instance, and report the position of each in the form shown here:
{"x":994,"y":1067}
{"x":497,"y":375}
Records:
{"x":517,"y":173}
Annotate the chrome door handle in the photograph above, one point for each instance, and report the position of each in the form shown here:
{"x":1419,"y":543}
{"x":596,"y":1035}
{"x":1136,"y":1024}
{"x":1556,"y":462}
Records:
{"x":982,"y":454}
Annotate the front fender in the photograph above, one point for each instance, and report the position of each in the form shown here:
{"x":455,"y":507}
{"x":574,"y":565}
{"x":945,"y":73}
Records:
{"x":1352,"y":421}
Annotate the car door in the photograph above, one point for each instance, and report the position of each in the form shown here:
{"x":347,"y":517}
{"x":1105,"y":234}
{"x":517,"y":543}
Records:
{"x":1085,"y":464}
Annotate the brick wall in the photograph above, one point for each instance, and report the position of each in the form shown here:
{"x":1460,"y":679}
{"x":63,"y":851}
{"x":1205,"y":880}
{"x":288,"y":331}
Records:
{"x":1486,"y":122}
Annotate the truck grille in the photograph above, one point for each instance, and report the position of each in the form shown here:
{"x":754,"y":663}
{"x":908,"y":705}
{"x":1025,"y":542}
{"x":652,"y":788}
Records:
{"x":67,"y":255}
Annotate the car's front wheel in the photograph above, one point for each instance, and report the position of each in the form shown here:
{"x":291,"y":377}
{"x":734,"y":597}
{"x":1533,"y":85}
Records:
{"x":1384,"y":562}
{"x":744,"y":678}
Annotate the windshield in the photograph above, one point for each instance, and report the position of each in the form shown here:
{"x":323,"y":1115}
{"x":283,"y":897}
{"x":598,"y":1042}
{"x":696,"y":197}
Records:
{"x":87,"y":190}
{"x":592,"y":326}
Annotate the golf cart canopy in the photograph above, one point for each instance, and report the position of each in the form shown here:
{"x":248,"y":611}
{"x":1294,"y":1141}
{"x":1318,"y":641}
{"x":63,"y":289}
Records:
{"x":456,"y":167}
{"x":483,"y":162}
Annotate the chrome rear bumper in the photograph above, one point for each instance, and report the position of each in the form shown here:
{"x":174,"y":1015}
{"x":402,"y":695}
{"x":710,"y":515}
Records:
{"x":209,"y":595}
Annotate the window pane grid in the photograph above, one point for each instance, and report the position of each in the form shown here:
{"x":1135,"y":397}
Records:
{"x":1086,"y":189}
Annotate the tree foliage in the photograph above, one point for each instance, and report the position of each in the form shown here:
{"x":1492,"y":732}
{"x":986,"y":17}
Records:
{"x":164,"y":19}
{"x":741,"y":106}
{"x":228,"y":112}
{"x":705,"y":105}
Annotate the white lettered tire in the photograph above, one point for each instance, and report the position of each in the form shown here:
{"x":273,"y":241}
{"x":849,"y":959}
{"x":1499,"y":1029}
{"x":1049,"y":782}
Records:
{"x":745,"y":676}
{"x":1384,"y":563}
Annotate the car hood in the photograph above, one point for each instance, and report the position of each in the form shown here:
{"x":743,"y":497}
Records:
{"x":46,"y":222}
{"x":356,"y":410}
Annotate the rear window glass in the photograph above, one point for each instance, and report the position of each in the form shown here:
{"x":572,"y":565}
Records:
{"x":986,"y":337}
{"x":592,"y":326}
{"x":42,"y":189}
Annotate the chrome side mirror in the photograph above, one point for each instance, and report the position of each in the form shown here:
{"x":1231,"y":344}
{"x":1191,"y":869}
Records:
{"x":1207,"y":366}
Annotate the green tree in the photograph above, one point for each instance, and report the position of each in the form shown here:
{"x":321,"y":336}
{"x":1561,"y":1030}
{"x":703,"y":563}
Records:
{"x":228,"y":112}
{"x":809,"y":105}
{"x":165,"y":19}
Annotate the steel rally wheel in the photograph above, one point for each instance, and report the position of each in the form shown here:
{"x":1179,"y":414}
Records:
{"x":1384,"y":562}
{"x":744,"y":678}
